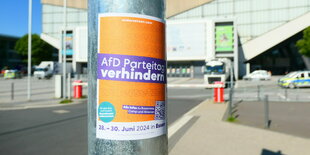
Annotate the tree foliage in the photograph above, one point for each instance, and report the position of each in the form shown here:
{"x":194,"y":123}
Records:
{"x":41,"y":51}
{"x":304,"y":43}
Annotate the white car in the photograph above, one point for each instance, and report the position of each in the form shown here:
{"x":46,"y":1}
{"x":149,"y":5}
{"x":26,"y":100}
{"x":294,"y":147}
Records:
{"x":258,"y":75}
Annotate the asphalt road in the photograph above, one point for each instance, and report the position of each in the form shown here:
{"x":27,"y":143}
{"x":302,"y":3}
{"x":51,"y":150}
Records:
{"x":63,"y":130}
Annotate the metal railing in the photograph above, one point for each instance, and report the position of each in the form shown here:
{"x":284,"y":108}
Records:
{"x":257,"y":93}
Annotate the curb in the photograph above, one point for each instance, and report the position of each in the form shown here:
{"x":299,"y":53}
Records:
{"x":42,"y":106}
{"x":179,"y":123}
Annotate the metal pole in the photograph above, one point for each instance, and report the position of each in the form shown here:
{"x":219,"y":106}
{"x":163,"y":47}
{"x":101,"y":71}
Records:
{"x":99,"y":146}
{"x":69,"y":85}
{"x":266,"y":103}
{"x":231,"y":92}
{"x":29,"y":49}
{"x":64,"y":50}
{"x":230,"y":103}
{"x":60,"y":46}
{"x":12,"y":90}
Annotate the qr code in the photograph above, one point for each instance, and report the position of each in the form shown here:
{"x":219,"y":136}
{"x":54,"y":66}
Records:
{"x":160,"y":111}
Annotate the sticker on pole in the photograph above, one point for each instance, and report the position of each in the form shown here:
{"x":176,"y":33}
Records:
{"x":131,"y":77}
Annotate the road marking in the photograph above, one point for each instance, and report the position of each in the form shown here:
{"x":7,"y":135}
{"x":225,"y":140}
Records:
{"x":61,"y":111}
{"x":282,"y":96}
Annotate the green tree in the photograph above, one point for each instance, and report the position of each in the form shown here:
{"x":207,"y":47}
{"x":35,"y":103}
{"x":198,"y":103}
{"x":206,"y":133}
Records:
{"x":304,"y":44}
{"x":41,"y":51}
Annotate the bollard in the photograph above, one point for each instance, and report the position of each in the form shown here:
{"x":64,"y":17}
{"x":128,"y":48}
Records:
{"x":126,"y":110}
{"x":219,"y":92}
{"x":230,"y":103}
{"x":77,"y":89}
{"x":12,"y":91}
{"x":266,"y":105}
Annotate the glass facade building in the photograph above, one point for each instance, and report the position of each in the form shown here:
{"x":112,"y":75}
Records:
{"x":52,"y":19}
{"x":8,"y":56}
{"x":253,"y":17}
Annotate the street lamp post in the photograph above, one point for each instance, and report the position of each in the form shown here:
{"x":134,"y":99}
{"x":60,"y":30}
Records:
{"x":29,"y":49}
{"x":126,"y":116}
{"x":64,"y":67}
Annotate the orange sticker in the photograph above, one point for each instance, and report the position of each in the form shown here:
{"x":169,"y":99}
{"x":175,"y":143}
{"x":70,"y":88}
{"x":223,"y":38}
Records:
{"x":131,"y":77}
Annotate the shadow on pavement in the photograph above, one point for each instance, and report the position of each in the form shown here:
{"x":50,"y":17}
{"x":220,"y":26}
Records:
{"x":268,"y":152}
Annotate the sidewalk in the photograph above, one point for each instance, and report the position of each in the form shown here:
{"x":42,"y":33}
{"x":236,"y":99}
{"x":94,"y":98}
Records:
{"x":209,"y":135}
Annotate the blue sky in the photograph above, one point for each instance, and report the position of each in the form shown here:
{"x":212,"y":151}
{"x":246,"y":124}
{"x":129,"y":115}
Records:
{"x":14,"y":17}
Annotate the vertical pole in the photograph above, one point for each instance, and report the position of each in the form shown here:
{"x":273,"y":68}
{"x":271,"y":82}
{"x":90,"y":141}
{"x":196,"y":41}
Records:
{"x":97,"y":146}
{"x":69,"y":85}
{"x":12,"y":90}
{"x":266,"y":103}
{"x":60,"y":47}
{"x":29,"y":49}
{"x":231,"y":92}
{"x":64,"y":50}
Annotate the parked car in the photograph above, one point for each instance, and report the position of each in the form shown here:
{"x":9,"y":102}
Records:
{"x":11,"y":74}
{"x":295,"y":79}
{"x":258,"y":75}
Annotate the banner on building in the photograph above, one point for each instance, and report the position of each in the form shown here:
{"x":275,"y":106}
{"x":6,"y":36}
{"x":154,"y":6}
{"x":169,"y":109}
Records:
{"x":224,"y":38}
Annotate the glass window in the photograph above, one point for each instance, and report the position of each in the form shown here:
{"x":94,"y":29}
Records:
{"x":209,"y":9}
{"x":58,"y":9}
{"x":244,"y":30}
{"x":294,"y":3}
{"x":196,"y":12}
{"x":277,"y":4}
{"x":295,"y":12}
{"x":83,"y":16}
{"x":278,"y":15}
{"x":260,"y":4}
{"x":72,"y":10}
{"x":244,"y":18}
{"x":225,"y":8}
{"x":47,"y":28}
{"x":47,"y":18}
{"x":73,"y":17}
{"x":58,"y":18}
{"x":260,"y":17}
{"x":242,"y":6}
{"x":11,"y":45}
{"x":47,"y":8}
{"x":302,"y":75}
{"x":258,"y":29}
